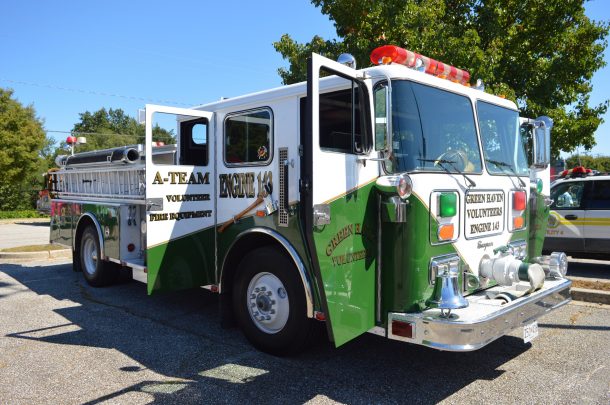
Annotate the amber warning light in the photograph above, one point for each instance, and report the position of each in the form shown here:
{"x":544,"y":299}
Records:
{"x":384,"y":55}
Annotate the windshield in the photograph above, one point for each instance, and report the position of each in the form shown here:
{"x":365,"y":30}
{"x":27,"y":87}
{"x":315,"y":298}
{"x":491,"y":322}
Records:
{"x":433,"y":130}
{"x":502,"y":143}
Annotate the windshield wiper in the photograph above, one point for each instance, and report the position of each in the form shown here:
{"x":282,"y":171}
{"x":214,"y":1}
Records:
{"x":450,"y":162}
{"x":510,"y":167}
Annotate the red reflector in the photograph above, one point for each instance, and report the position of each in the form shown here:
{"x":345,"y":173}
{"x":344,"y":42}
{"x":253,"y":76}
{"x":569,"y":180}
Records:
{"x":319,"y":316}
{"x":214,"y":288}
{"x":519,"y":200}
{"x":131,"y":247}
{"x":404,"y":329}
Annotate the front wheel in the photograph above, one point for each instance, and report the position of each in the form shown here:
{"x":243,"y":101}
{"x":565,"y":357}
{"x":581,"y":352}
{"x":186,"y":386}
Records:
{"x":269,"y":303}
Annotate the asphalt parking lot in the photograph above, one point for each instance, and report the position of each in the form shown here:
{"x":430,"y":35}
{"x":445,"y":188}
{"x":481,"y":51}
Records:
{"x":23,"y":232}
{"x":62,"y":341}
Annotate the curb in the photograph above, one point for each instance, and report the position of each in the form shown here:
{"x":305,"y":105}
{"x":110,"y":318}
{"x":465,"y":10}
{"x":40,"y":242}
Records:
{"x":46,"y":254}
{"x":24,"y":220}
{"x":587,"y":295}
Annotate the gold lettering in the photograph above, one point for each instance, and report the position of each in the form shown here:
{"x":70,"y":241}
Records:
{"x":158,"y":179}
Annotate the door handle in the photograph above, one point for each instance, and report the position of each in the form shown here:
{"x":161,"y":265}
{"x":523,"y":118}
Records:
{"x":571,"y":217}
{"x":154,"y":204}
{"x":321,"y":214}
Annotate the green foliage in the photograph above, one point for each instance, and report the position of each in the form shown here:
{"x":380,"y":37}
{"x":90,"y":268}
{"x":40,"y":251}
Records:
{"x":21,"y":214}
{"x":112,"y":128}
{"x":601,"y":163}
{"x":540,"y":53}
{"x":23,"y":141}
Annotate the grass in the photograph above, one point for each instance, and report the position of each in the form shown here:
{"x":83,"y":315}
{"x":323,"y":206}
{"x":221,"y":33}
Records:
{"x":33,"y":248}
{"x":21,"y":214}
{"x":591,"y":285}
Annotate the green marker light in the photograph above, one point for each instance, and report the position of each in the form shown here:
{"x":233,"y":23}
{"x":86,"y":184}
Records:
{"x":447,"y":205}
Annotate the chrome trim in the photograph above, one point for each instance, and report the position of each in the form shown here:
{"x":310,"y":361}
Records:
{"x":482,"y":322}
{"x":271,"y":137}
{"x":293,"y":254}
{"x":113,"y":203}
{"x":394,"y":209}
{"x":139,"y":275}
{"x":443,"y":260}
{"x":89,"y":199}
{"x":377,"y":330}
{"x":99,"y":233}
{"x":519,"y":249}
{"x":379,"y":267}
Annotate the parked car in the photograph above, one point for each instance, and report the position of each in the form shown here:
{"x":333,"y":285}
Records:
{"x":579,"y":222}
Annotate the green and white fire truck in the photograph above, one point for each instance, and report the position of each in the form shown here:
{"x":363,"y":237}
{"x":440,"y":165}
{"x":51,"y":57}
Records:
{"x":395,"y":200}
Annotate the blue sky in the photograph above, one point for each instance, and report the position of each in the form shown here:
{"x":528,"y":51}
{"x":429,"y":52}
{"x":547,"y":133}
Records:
{"x":68,"y":57}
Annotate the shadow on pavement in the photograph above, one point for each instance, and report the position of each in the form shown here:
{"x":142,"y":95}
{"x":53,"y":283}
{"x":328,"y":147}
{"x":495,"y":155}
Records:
{"x":37,"y":223}
{"x":589,"y":268}
{"x":178,"y":335}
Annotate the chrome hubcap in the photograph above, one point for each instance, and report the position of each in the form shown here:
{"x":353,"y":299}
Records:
{"x":268,"y":302}
{"x":89,"y":254}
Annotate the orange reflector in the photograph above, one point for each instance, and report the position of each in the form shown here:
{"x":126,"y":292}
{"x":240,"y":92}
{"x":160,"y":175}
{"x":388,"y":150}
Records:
{"x":261,"y":213}
{"x":518,"y":222}
{"x":404,"y":329}
{"x":445,"y":232}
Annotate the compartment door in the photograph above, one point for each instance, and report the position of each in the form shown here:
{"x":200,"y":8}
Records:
{"x":180,"y":215}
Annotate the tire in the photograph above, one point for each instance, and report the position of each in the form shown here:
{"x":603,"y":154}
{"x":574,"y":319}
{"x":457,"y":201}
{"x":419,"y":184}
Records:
{"x":97,"y":272}
{"x":269,"y":303}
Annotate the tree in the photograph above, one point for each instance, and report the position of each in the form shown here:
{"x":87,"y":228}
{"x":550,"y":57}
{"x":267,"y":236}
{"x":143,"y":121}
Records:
{"x":539,"y":53}
{"x":22,"y":138}
{"x":600,"y":163}
{"x":112,"y":128}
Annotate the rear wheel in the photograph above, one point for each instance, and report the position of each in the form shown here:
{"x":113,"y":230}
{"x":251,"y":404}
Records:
{"x":269,"y":303}
{"x":97,"y":272}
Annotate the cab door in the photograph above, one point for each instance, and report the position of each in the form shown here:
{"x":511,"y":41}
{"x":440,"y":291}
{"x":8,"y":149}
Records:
{"x":565,"y":230}
{"x":339,"y":198}
{"x":180,"y":218}
{"x":597,"y":221}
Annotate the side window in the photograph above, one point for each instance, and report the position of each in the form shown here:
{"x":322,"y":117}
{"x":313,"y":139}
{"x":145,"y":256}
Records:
{"x":194,"y":142}
{"x":600,"y":195}
{"x":380,"y":97}
{"x":247,"y":138}
{"x":567,"y":195}
{"x":342,"y":123}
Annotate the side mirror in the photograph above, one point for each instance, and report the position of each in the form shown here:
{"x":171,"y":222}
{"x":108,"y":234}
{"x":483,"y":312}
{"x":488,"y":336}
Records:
{"x":542,"y":142}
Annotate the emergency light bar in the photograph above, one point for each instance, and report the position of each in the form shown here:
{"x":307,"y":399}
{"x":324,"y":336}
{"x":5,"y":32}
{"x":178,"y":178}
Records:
{"x":384,"y":55}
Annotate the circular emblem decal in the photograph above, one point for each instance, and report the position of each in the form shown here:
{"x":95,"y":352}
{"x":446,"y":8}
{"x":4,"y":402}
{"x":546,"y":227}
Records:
{"x":553,"y":221}
{"x":262,"y":153}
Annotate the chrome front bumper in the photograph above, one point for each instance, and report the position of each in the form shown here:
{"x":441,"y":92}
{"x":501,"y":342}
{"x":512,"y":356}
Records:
{"x":483,"y":321}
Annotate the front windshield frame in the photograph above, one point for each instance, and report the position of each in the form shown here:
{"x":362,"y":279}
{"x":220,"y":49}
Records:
{"x":502,"y":151}
{"x":463,"y":137}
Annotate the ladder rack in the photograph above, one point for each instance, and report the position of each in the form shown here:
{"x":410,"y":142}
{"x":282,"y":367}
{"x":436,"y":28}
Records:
{"x":110,"y":182}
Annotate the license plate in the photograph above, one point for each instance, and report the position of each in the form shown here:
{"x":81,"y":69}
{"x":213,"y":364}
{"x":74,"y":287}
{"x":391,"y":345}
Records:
{"x":530,"y":332}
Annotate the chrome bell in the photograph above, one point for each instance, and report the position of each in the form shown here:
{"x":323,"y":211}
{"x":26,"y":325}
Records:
{"x":447,"y":295}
